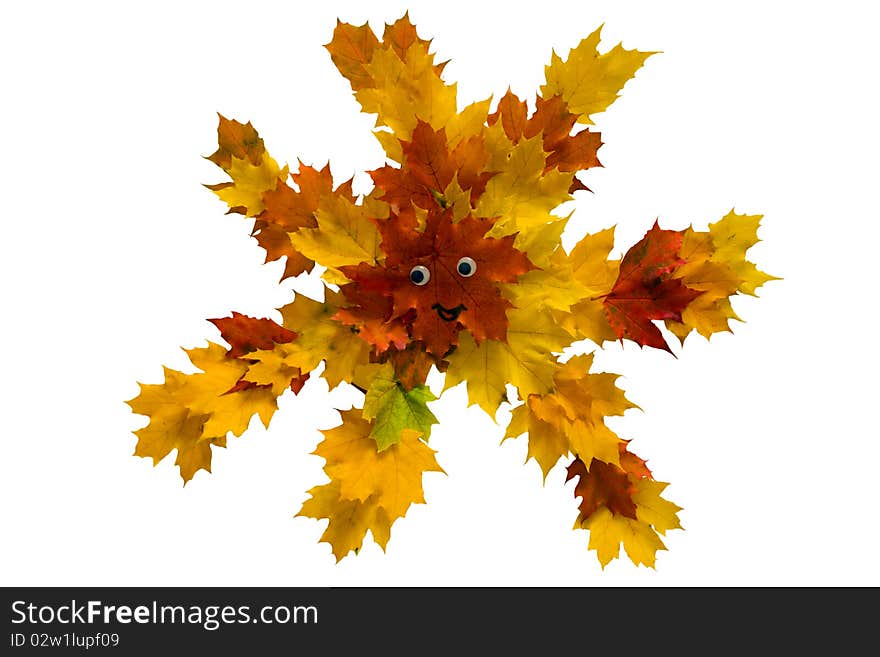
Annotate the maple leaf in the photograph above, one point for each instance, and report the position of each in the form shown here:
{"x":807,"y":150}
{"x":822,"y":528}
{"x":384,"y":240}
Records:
{"x":571,"y":418}
{"x":622,"y":505}
{"x":521,"y":194}
{"x":645,"y":289}
{"x":588,"y":81}
{"x":260,"y":189}
{"x":554,"y":122}
{"x":286,"y":210}
{"x":513,"y":114}
{"x":242,"y":154}
{"x":172,"y":426}
{"x":527,"y":360}
{"x":565,"y":151}
{"x":348,"y":520}
{"x":375,"y":487}
{"x":552,"y":284}
{"x":371,"y":315}
{"x":396,"y":409}
{"x":192,"y":412}
{"x":448,"y":296}
{"x":345,"y":233}
{"x":320,"y":338}
{"x":412,"y":364}
{"x":715,"y":264}
{"x":238,"y":140}
{"x":429,"y":168}
{"x":399,"y":85}
{"x":592,"y":268}
{"x":246,"y":334}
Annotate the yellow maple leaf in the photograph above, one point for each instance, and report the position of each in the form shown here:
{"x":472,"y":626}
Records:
{"x":267,"y":367}
{"x":543,"y":244}
{"x":397,"y":80}
{"x":345,"y":234}
{"x":639,"y":535}
{"x":653,"y":509}
{"x":470,"y":121}
{"x":208,"y":392}
{"x":249,"y":182}
{"x":172,"y":426}
{"x":609,"y":530}
{"x":348,"y":520}
{"x":570,"y":419}
{"x":552,"y":286}
{"x":405,"y":91}
{"x":456,"y":199}
{"x":592,"y":268}
{"x":546,"y":443}
{"x":320,"y":338}
{"x":521,"y":195}
{"x":191,"y":412}
{"x":588,"y":81}
{"x":368,"y":489}
{"x":732,"y":236}
{"x":393,"y":475}
{"x":526,"y":360}
{"x":716,"y":264}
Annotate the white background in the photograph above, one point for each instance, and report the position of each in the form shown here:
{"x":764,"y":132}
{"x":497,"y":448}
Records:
{"x":113,"y":255}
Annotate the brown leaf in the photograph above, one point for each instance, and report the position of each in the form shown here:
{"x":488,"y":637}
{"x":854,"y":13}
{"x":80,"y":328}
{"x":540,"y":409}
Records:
{"x":604,"y":484}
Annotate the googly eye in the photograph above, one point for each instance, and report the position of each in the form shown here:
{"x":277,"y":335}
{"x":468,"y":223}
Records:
{"x":419,"y":275}
{"x":466,"y":267}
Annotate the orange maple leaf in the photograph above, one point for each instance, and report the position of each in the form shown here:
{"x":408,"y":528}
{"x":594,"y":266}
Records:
{"x":429,"y":167}
{"x":552,"y":118}
{"x":246,"y":334}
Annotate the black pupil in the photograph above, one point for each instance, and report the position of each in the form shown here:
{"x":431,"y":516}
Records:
{"x":417,"y":276}
{"x":464,"y":268}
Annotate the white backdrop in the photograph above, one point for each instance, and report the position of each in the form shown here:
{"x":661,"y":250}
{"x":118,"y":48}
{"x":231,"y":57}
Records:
{"x":113,"y":255}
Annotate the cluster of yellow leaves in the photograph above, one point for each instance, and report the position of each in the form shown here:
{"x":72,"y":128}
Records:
{"x":397,"y":80}
{"x":571,"y":418}
{"x":716,"y":265}
{"x":368,"y":489}
{"x":192,"y":412}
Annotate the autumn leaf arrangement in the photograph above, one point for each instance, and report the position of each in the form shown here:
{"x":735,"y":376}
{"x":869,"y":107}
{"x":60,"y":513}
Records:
{"x":454,"y":262}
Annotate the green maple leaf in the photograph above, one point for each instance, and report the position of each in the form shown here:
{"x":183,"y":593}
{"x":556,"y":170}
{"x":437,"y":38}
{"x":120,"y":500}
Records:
{"x":395,"y":409}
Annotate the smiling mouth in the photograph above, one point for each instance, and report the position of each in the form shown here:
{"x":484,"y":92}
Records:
{"x":448,"y":314}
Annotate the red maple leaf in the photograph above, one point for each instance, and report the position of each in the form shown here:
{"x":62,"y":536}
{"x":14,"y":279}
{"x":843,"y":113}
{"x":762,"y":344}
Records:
{"x":645,"y":289}
{"x":442,"y":279}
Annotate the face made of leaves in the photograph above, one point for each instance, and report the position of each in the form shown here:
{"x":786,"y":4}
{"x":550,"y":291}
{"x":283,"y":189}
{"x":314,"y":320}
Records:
{"x":436,"y":280}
